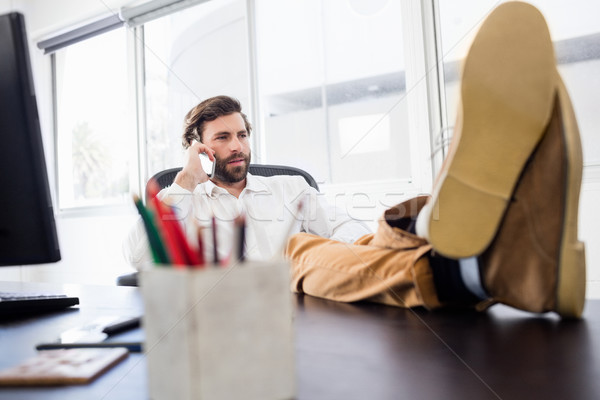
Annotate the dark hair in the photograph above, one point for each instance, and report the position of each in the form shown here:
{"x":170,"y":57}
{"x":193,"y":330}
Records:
{"x":206,"y":111}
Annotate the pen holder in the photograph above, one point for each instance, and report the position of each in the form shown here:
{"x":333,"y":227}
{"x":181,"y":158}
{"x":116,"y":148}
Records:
{"x":219,"y":333}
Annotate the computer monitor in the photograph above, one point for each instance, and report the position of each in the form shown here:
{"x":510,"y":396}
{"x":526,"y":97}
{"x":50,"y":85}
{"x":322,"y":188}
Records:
{"x":27,"y":227}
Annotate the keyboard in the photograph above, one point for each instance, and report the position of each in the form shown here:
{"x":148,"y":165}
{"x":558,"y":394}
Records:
{"x":13,"y":304}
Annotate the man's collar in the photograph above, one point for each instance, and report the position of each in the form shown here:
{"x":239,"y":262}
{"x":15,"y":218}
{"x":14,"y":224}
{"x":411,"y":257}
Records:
{"x":211,"y":189}
{"x":253,"y":184}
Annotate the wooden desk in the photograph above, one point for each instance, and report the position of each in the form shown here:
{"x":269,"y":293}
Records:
{"x":364,"y":351}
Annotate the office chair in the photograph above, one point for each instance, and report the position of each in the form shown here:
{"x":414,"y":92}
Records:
{"x":165,"y":178}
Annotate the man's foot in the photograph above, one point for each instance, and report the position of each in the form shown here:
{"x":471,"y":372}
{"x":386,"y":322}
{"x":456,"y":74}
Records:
{"x":508,"y":87}
{"x":536,"y":262}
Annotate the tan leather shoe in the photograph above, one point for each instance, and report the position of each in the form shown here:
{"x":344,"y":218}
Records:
{"x":536,"y":262}
{"x":508,"y":86}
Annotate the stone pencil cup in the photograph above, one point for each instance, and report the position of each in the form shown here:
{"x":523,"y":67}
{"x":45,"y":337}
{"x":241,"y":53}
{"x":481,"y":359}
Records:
{"x":219,"y":333}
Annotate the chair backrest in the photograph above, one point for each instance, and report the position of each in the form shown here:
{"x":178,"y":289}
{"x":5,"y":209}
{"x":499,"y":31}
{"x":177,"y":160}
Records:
{"x":165,"y":178}
{"x":272,"y":170}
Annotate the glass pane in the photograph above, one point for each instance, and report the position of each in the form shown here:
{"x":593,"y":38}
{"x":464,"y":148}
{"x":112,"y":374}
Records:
{"x":293,"y":117}
{"x":576,"y":35}
{"x":332,"y":88}
{"x":95,"y":142}
{"x":191,"y":55}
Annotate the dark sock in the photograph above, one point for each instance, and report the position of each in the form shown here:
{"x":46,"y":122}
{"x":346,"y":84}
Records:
{"x":407,"y":224}
{"x":448,"y":282}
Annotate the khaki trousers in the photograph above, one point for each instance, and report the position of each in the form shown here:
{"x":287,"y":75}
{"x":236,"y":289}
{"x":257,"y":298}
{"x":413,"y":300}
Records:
{"x":390,"y":266}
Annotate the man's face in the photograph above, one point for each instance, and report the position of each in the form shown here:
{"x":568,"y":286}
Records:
{"x":228,"y":137}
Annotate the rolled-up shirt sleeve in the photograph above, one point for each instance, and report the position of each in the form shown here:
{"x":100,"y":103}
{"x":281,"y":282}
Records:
{"x":327,"y":220}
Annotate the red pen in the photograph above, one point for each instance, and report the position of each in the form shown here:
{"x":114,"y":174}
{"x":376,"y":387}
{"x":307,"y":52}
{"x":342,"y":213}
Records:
{"x":182,"y":253}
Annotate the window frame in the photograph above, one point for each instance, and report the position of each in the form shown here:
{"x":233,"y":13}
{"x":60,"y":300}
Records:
{"x":134,"y":179}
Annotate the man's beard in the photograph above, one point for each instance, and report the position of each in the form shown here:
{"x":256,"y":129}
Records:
{"x":231,"y":174}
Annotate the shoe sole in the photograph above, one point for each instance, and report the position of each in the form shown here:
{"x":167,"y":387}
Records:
{"x":570,"y":297}
{"x":507,"y":91}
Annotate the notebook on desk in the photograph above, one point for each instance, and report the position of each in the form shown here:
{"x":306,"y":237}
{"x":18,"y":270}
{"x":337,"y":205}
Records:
{"x":14,"y":304}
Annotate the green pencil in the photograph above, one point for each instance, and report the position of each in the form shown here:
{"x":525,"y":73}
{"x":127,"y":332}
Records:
{"x":158,"y":249}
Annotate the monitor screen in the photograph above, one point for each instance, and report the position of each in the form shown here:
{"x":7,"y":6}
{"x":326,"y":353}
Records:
{"x":27,"y":227}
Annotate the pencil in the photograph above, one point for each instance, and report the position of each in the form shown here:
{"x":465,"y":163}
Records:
{"x":214,"y":241}
{"x":240,"y":238}
{"x":200,"y":234}
{"x":157,"y":248}
{"x":133,"y":347}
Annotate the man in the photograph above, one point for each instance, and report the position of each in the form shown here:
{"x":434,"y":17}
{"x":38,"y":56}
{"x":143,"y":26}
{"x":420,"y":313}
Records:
{"x":274,"y":207}
{"x":501,"y":226}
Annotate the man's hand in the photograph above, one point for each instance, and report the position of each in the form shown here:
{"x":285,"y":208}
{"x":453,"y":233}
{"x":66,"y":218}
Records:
{"x":192,"y":173}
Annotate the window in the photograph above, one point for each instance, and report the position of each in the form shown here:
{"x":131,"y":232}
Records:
{"x":576,"y":35}
{"x":191,"y":55}
{"x":330,"y":93}
{"x":95,"y":139}
{"x":332,"y":88}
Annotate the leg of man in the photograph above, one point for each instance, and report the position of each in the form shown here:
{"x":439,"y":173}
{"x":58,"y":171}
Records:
{"x":389,"y":267}
{"x":533,"y":260}
{"x":536,"y":262}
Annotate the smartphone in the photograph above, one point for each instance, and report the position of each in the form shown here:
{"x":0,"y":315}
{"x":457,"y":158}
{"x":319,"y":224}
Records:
{"x":207,"y":165}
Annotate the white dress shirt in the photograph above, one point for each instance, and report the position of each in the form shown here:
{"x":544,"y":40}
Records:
{"x":272,"y":210}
